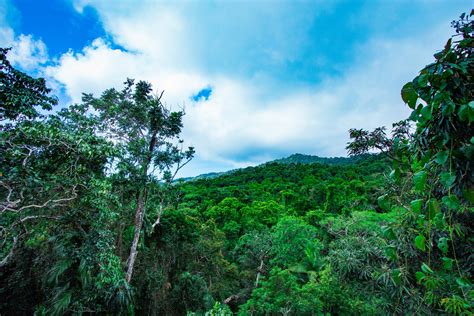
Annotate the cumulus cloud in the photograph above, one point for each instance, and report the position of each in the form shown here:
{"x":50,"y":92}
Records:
{"x":27,"y":52}
{"x":245,"y":120}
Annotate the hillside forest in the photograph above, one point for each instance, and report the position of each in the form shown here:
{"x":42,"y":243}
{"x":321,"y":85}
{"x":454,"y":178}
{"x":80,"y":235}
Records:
{"x":93,"y":219}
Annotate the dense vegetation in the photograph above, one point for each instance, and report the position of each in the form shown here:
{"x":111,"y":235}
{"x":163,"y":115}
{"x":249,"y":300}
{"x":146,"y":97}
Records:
{"x":92,"y":219}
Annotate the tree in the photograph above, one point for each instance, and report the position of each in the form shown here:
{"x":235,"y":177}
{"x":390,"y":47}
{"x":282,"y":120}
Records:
{"x":55,"y":218}
{"x":43,"y":163}
{"x":20,"y":94}
{"x":432,"y":237}
{"x":146,"y":134}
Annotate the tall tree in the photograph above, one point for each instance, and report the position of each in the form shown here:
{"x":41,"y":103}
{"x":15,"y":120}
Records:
{"x":147,"y":135}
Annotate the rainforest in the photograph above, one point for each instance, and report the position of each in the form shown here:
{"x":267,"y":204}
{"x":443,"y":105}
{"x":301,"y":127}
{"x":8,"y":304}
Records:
{"x":95,"y":219}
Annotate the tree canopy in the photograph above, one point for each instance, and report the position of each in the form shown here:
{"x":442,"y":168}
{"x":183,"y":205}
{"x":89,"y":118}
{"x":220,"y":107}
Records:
{"x":92,"y":219}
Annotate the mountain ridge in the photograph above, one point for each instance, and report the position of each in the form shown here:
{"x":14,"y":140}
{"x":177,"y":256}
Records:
{"x":296,"y":158}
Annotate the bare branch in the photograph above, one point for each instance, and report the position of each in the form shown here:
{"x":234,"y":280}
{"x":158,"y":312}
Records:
{"x":5,"y":260}
{"x":27,"y":218}
{"x":11,"y":205}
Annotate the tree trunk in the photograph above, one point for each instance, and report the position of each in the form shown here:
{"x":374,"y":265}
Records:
{"x":258,"y":273}
{"x":139,"y":215}
{"x":140,"y":210}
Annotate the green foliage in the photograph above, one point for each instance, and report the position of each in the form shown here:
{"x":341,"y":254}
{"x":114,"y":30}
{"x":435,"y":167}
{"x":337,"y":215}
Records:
{"x":291,"y":237}
{"x":20,"y":94}
{"x":442,"y":144}
{"x":297,"y":236}
{"x":283,"y":294}
{"x":432,"y":230}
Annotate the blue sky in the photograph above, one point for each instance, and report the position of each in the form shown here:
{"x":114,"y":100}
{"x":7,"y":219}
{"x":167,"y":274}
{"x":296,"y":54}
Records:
{"x":258,"y":79}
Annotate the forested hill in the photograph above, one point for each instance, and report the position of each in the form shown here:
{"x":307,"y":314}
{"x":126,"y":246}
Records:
{"x":305,"y":159}
{"x":293,"y":159}
{"x":236,"y":237}
{"x":276,"y":172}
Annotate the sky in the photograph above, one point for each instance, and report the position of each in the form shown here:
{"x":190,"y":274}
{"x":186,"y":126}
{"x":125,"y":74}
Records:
{"x":258,"y":80}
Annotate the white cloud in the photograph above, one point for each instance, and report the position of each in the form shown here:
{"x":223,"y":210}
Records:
{"x":26,"y":51}
{"x":237,"y":126}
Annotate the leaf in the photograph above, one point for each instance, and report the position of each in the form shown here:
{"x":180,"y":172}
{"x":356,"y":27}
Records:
{"x":420,"y":242}
{"x":451,"y":202}
{"x":447,"y":179}
{"x":388,"y":233}
{"x":442,"y":157}
{"x":395,"y":174}
{"x":383,"y":202}
{"x":422,"y":80}
{"x":391,"y":252}
{"x":463,"y":282}
{"x":426,"y":113}
{"x":419,"y":276}
{"x":425,"y":268}
{"x":448,"y":108}
{"x":419,"y":179}
{"x":448,"y":263}
{"x":443,"y":244}
{"x":409,"y":95}
{"x":416,"y":205}
{"x":468,"y":194}
{"x":466,"y":112}
{"x":448,"y":45}
{"x":438,"y":55}
{"x":396,"y":276}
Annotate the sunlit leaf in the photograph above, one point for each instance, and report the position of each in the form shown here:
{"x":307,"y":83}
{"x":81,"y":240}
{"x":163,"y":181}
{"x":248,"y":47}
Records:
{"x":463,"y":282}
{"x":420,"y":242}
{"x":425,"y":268}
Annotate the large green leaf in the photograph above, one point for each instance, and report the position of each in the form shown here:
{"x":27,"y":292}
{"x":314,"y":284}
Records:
{"x":416,"y":205}
{"x":448,"y":263}
{"x":451,"y":201}
{"x":420,"y":241}
{"x":419,"y":180}
{"x":409,"y":95}
{"x":447,"y":179}
{"x":426,"y":113}
{"x":419,"y":276}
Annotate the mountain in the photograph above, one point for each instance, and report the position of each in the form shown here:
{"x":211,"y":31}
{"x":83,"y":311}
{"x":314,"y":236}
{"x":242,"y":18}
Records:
{"x":308,"y":159}
{"x":293,"y":159}
{"x":210,"y":175}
